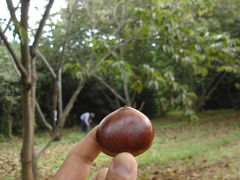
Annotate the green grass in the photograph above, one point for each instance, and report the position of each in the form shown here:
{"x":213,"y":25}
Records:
{"x":179,"y":149}
{"x":188,"y":143}
{"x":8,"y":178}
{"x":212,"y":143}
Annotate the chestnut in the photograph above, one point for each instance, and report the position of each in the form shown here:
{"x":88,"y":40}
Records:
{"x":125,"y":130}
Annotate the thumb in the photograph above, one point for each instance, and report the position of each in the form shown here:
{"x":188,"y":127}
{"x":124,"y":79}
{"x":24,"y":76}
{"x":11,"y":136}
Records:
{"x":123,"y":167}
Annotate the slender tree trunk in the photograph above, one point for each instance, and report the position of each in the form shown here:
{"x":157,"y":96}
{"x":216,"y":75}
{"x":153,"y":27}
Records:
{"x":27,"y":68}
{"x":28,"y":104}
{"x":35,"y":167}
{"x":42,"y":117}
{"x":126,"y":93}
{"x":28,"y":97}
{"x":69,"y":106}
{"x":117,"y":102}
{"x":122,"y":57}
{"x":33,"y":99}
{"x":59,"y":102}
{"x":208,"y":92}
{"x":28,"y":133}
{"x":110,"y":101}
{"x":54,"y":102}
{"x":59,"y":85}
{"x":113,"y":91}
{"x":10,"y":122}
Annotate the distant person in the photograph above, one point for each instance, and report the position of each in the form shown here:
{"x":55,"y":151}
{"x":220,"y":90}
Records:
{"x":86,"y":119}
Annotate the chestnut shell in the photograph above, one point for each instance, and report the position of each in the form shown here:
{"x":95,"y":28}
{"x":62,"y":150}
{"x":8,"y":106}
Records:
{"x":125,"y":130}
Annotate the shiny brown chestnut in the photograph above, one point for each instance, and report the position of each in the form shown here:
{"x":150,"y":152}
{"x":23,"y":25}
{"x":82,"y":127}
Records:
{"x":125,"y":130}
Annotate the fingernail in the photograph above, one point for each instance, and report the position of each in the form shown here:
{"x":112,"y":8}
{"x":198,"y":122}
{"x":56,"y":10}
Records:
{"x":122,"y":164}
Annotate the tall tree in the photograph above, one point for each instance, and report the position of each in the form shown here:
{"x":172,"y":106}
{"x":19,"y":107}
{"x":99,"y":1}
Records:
{"x":27,"y":67}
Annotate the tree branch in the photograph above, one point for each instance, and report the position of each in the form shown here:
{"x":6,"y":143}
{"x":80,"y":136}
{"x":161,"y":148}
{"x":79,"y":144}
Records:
{"x":37,"y":105}
{"x":13,"y":15}
{"x":133,"y":96}
{"x":110,"y":88}
{"x":62,"y":119}
{"x":13,"y":54}
{"x":108,"y":54}
{"x":209,"y":90}
{"x":24,"y":35}
{"x":12,"y":10}
{"x":41,"y":25}
{"x":67,"y":33}
{"x":42,"y":117}
{"x":43,"y":148}
{"x":141,"y":106}
{"x":46,"y":63}
{"x":216,"y":84}
{"x":126,"y":93}
{"x":70,"y":103}
{"x":7,"y":26}
{"x":110,"y":100}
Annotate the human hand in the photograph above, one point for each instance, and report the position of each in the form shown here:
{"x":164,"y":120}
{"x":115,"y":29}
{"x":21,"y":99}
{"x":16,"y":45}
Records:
{"x":78,"y":164}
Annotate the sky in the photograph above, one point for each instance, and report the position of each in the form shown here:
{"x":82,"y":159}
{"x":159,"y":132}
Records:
{"x":35,"y":12}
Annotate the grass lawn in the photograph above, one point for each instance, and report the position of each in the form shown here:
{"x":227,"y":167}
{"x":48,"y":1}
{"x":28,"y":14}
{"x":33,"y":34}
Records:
{"x":205,"y":150}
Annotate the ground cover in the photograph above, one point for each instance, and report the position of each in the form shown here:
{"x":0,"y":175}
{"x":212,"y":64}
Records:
{"x":205,"y":150}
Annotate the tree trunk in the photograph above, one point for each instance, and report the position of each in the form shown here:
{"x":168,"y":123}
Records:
{"x":126,"y":93}
{"x":116,"y":94}
{"x":54,"y":103}
{"x":28,"y":98}
{"x":28,"y":106}
{"x":35,"y":167}
{"x":42,"y":117}
{"x":28,"y":132}
{"x":59,"y":102}
{"x":68,"y":107}
{"x":208,"y":92}
{"x":27,"y":68}
{"x":59,"y":86}
{"x":10,"y":122}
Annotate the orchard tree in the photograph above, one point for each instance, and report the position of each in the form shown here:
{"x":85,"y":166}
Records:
{"x":180,"y":42}
{"x":26,"y":65}
{"x":122,"y":73}
{"x":74,"y":47}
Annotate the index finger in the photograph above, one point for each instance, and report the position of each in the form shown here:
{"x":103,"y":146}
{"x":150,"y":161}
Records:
{"x":78,"y":163}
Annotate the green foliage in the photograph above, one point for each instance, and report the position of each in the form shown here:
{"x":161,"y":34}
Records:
{"x":9,"y":71}
{"x":176,"y":50}
{"x":9,"y":108}
{"x":9,"y":97}
{"x":75,"y":70}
